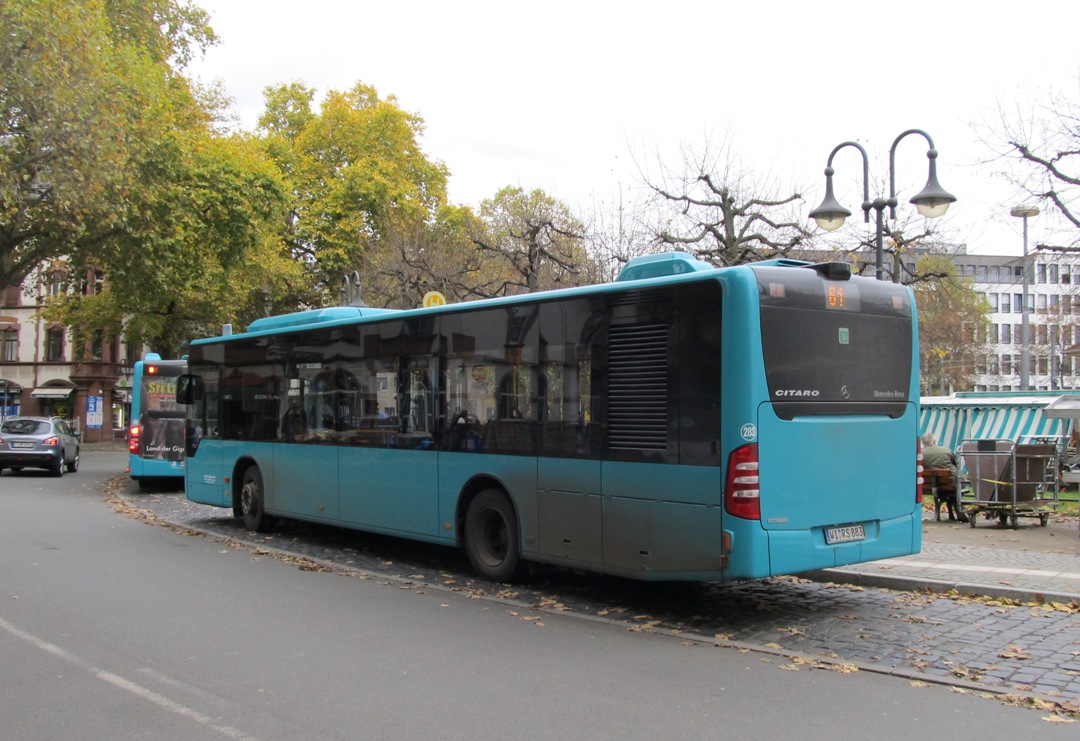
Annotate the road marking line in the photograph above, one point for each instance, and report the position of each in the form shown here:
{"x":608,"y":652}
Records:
{"x":126,"y":684}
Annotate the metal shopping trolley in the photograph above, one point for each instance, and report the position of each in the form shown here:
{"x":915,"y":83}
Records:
{"x":1009,"y":481}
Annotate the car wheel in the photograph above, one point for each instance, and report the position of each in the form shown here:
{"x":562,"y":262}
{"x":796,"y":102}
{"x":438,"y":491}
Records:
{"x":58,"y":467}
{"x":73,"y":464}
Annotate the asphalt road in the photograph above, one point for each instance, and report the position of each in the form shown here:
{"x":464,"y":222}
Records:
{"x":110,"y":628}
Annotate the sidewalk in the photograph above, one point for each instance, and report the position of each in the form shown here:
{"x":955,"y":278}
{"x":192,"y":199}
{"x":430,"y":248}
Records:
{"x":111,"y":446}
{"x":1031,"y":563}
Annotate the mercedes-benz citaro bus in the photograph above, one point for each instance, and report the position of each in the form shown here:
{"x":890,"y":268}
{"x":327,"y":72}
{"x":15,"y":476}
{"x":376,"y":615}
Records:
{"x":682,"y":422}
{"x":156,"y":435}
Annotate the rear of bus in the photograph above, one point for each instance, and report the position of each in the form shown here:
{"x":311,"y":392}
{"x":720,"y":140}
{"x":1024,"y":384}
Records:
{"x":156,"y":434}
{"x":825,"y":470}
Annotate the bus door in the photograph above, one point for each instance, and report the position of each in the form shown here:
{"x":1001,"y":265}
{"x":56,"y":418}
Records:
{"x":568,"y":485}
{"x":391,"y":483}
{"x":310,"y":421}
{"x":203,"y":479}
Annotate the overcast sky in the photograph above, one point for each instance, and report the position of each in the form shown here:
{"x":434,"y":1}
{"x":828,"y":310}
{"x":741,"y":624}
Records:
{"x":564,"y":96}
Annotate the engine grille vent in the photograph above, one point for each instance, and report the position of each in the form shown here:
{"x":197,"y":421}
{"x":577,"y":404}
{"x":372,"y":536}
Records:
{"x":638,"y":387}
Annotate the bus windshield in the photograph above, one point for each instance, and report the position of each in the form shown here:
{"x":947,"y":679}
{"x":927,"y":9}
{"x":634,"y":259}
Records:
{"x":834,"y":346}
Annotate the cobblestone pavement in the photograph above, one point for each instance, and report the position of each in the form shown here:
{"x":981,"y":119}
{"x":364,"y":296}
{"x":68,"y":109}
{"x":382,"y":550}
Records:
{"x":1025,"y":643}
{"x":1032,"y":562}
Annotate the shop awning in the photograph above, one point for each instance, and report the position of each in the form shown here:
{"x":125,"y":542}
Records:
{"x":51,"y":392}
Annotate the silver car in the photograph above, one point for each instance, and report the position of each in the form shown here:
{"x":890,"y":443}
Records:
{"x":38,"y":442}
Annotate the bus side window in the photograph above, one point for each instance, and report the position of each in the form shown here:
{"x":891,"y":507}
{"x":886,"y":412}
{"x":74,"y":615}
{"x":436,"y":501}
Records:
{"x":414,"y":405}
{"x":189,"y":388}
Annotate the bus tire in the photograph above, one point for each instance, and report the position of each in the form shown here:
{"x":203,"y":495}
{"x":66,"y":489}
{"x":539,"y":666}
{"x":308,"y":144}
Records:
{"x":253,"y":501}
{"x":492,"y":540}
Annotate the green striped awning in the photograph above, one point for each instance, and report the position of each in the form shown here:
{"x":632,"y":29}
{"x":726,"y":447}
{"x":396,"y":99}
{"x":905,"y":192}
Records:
{"x":1018,"y":417}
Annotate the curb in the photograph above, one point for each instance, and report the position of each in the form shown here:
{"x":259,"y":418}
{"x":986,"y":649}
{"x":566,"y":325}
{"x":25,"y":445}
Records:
{"x":938,"y":586}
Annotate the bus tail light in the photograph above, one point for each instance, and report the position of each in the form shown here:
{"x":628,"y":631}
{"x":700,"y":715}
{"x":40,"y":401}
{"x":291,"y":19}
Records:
{"x":742,"y":490}
{"x":133,"y":439}
{"x":918,"y":471}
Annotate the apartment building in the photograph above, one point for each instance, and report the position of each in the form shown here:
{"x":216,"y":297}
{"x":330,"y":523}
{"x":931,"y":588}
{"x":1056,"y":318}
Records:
{"x":46,"y":370}
{"x":1053,"y":306}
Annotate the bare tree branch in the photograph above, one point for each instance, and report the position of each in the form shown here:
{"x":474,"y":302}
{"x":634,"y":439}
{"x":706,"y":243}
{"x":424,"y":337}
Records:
{"x":722,"y":214}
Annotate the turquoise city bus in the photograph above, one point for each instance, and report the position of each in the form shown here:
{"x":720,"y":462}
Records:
{"x":683,"y":422}
{"x":156,"y":434}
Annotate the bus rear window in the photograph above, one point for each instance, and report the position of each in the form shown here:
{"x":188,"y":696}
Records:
{"x":834,"y":346}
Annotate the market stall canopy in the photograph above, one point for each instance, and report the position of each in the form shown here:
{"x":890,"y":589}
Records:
{"x":1063,"y":407}
{"x":1017,"y":416}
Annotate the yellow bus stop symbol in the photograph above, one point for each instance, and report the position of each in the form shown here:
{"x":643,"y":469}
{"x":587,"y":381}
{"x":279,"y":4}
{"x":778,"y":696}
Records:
{"x":434,"y":298}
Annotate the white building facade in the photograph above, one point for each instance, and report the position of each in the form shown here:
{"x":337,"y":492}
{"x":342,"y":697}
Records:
{"x":1053,"y":306}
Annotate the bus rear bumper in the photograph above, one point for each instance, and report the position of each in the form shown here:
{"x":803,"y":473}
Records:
{"x":807,"y":551}
{"x":795,"y":551}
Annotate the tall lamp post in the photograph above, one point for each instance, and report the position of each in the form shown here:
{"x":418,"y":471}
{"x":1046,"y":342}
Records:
{"x":1024,"y":212}
{"x":932,"y":201}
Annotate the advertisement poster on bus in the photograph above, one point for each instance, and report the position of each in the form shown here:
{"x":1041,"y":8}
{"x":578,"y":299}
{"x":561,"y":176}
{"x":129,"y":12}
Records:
{"x":162,"y":420}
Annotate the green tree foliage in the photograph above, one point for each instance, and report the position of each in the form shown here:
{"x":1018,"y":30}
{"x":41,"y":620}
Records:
{"x":207,"y":250}
{"x":83,"y":84}
{"x":167,"y":31}
{"x":530,"y":242}
{"x":953,"y":319}
{"x":356,"y":174}
{"x":113,"y":161}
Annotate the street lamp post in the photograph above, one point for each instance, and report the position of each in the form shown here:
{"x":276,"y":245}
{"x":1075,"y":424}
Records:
{"x":932,"y":201}
{"x":1024,"y":212}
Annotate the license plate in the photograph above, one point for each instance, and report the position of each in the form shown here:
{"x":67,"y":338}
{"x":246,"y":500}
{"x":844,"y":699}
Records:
{"x":22,"y":445}
{"x":844,"y":534}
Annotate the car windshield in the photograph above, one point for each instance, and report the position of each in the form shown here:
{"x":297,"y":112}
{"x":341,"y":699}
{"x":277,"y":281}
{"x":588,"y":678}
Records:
{"x":25,"y":427}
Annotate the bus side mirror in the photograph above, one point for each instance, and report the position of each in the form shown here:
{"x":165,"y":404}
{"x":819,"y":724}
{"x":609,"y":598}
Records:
{"x":189,"y":389}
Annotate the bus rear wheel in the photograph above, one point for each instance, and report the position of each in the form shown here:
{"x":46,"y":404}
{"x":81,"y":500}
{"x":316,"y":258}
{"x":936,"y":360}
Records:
{"x":492,"y":541}
{"x":253,"y":501}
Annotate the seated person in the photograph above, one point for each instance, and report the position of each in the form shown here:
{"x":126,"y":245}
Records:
{"x":939,"y":457}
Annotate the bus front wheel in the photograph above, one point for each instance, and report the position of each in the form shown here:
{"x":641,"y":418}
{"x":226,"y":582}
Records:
{"x":253,"y":501}
{"x":491,"y":536}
